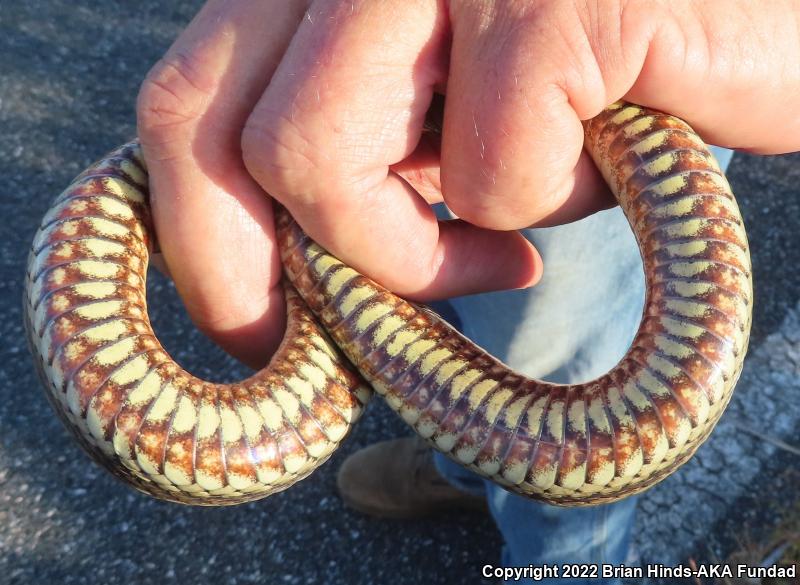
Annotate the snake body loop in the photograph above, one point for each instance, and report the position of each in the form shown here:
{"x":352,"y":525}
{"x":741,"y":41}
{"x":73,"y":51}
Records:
{"x":179,"y":438}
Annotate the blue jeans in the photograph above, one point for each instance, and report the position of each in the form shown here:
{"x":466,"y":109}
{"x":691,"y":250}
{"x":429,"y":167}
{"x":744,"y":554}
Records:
{"x":572,"y":327}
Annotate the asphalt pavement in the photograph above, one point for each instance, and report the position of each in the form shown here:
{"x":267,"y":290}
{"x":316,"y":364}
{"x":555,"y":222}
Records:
{"x":69,"y":72}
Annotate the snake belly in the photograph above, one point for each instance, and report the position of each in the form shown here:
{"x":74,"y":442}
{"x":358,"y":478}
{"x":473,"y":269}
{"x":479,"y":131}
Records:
{"x":179,"y":438}
{"x":131,"y":407}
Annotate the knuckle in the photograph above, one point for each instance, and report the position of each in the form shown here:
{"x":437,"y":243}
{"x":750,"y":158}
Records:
{"x":473,"y":197}
{"x":476,"y":209}
{"x":277,"y":154}
{"x":171,"y":98}
{"x":496,"y":210}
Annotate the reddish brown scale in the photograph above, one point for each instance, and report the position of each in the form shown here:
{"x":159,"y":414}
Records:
{"x":695,"y":181}
{"x":84,"y":227}
{"x":494,"y":447}
{"x":715,"y":251}
{"x":671,"y":415}
{"x":305,"y":424}
{"x":694,"y":365}
{"x":75,"y":249}
{"x":297,"y":256}
{"x":478,"y":429}
{"x":362,"y":343}
{"x":151,"y":438}
{"x":79,"y":347}
{"x":378,"y":362}
{"x":90,"y":375}
{"x":238,"y":459}
{"x":519,"y":387}
{"x":301,"y":271}
{"x":616,"y":141}
{"x":316,"y":294}
{"x":345,"y":377}
{"x":336,"y":395}
{"x":685,"y":155}
{"x":626,"y":443}
{"x":60,"y":301}
{"x":179,"y":446}
{"x":109,"y":397}
{"x":680,"y":143}
{"x":89,"y":201}
{"x":522,"y":387}
{"x":411,"y":381}
{"x":67,"y":325}
{"x":327,"y":413}
{"x":574,"y":450}
{"x":707,"y":229}
{"x":715,"y":317}
{"x":521,"y":451}
{"x":290,"y":446}
{"x":719,"y":274}
{"x":428,"y":397}
{"x":649,"y":427}
{"x":711,"y":347}
{"x":209,"y":457}
{"x":454,"y":414}
{"x":69,"y":274}
{"x":266,"y":454}
{"x":545,"y":461}
{"x":597,"y":458}
{"x":180,"y":453}
{"x":704,"y":206}
{"x":686,"y":391}
{"x":573,"y":458}
{"x":386,"y":367}
{"x":715,"y":297}
{"x":715,"y":320}
{"x":328,"y":402}
{"x":330,"y":314}
{"x":547,"y":433}
{"x":129,"y":419}
{"x":499,"y":447}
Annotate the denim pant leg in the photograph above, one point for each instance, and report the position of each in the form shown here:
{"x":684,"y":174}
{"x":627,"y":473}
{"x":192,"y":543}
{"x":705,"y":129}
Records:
{"x":572,"y":327}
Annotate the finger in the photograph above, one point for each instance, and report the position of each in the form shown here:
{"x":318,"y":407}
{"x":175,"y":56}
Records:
{"x":420,"y":169}
{"x":347,"y":102}
{"x":737,"y":61}
{"x":214,"y":222}
{"x":512,"y":154}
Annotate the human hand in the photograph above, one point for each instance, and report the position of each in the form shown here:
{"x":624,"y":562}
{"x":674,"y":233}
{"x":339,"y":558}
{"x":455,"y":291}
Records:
{"x":330,"y":125}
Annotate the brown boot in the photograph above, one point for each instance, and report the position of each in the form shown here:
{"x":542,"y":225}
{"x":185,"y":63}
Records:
{"x":397,"y":479}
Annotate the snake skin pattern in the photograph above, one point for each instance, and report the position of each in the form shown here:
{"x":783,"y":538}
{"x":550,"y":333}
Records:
{"x":182,"y":439}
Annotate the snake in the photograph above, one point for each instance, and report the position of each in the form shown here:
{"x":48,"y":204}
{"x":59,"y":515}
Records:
{"x":169,"y":434}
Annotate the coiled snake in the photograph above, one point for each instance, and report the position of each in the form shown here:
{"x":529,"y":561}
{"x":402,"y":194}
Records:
{"x":179,"y":438}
